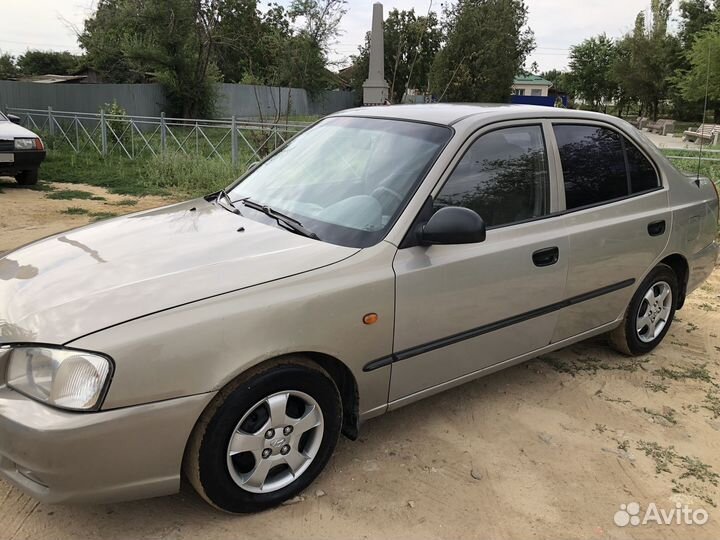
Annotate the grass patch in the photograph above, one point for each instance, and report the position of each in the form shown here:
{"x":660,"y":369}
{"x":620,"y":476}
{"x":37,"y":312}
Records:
{"x":661,"y":455}
{"x":667,"y":414}
{"x":97,"y":216}
{"x":711,"y":169}
{"x":696,"y":371}
{"x":712,"y":403}
{"x":174,"y":174}
{"x":592,"y":365}
{"x":12,"y":184}
{"x":69,"y":194}
{"x":656,"y":386}
{"x":75,"y":211}
{"x":126,"y":202}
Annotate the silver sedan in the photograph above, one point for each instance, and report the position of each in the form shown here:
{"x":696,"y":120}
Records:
{"x":381,"y":256}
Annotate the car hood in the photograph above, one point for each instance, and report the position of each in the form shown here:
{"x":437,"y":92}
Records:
{"x":75,"y":283}
{"x":8,"y":130}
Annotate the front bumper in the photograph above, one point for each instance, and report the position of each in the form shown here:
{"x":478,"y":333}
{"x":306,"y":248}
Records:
{"x":122,"y":454}
{"x":24,"y":160}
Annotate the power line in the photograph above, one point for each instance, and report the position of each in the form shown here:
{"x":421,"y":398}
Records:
{"x":31,"y":44}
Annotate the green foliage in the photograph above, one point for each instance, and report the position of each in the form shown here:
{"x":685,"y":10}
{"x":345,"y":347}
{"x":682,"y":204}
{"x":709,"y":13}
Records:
{"x":8,"y":69}
{"x":169,"y":41}
{"x":117,"y":120}
{"x":486,"y":45}
{"x":174,"y":174}
{"x":560,"y":79}
{"x":704,"y":69}
{"x":647,"y":58}
{"x":48,"y":62}
{"x":188,"y":46}
{"x":591,"y":75}
{"x":411,"y":44}
{"x":696,"y":16}
{"x":68,"y":194}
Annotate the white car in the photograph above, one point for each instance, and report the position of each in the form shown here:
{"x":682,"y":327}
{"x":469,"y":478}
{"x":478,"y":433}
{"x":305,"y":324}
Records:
{"x":21,"y":151}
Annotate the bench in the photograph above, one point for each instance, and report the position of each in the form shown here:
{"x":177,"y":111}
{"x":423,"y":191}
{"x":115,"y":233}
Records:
{"x":640,"y":122}
{"x":707,"y":132}
{"x":663,"y":126}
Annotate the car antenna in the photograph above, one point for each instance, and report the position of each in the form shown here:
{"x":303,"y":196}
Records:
{"x":707,"y":85}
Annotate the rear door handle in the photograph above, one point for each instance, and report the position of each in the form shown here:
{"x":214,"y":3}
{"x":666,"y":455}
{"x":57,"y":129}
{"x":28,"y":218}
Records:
{"x":656,"y":228}
{"x":546,"y":256}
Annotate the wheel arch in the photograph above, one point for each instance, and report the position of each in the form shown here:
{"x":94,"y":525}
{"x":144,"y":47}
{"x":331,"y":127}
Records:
{"x":340,"y":373}
{"x":680,"y":266}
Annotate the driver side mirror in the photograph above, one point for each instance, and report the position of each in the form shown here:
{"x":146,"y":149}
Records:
{"x":453,"y":225}
{"x":14,"y":119}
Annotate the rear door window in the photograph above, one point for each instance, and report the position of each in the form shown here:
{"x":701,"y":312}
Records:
{"x":593,"y":164}
{"x":643,"y":176}
{"x":601,"y":165}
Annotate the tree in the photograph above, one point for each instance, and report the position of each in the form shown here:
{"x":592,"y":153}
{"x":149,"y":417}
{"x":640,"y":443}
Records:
{"x":486,"y":46}
{"x":8,"y":70}
{"x":48,"y":62}
{"x":591,"y":76}
{"x":696,"y":16}
{"x":411,"y":44}
{"x":704,"y":72}
{"x":171,"y":41}
{"x":560,"y":79}
{"x":650,"y":56}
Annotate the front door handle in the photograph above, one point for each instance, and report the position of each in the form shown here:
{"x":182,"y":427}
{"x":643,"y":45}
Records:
{"x":546,"y":256}
{"x":656,"y":228}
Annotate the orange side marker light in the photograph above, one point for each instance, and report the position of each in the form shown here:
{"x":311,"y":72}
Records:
{"x":370,"y":318}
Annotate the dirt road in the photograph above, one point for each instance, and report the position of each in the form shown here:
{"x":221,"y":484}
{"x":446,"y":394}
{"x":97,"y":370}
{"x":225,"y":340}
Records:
{"x":547,"y":449}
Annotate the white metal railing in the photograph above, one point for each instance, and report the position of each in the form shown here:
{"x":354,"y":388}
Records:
{"x":132,"y":136}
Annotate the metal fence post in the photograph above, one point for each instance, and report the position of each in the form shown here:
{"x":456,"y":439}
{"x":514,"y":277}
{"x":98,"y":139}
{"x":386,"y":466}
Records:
{"x":51,"y":123}
{"x":163,"y":134}
{"x":103,"y":133}
{"x":234,"y":141}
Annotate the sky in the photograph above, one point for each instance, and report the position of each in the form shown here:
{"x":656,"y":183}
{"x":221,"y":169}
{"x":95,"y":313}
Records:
{"x":557,"y":24}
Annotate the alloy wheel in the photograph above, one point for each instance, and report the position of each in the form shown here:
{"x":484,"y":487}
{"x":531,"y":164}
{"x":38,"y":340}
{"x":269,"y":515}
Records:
{"x":654,"y":311}
{"x":275,"y":442}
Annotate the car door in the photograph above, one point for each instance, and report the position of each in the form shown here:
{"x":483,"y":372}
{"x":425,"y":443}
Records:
{"x":463,"y":308}
{"x":617,"y":218}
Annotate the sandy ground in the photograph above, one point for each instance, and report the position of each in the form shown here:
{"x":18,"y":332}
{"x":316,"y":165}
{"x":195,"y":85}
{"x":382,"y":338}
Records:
{"x":547,"y":449}
{"x":26,"y":215}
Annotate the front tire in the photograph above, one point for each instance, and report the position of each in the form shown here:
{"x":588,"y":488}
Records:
{"x":265,"y":437}
{"x":650,"y":313}
{"x":27,"y":178}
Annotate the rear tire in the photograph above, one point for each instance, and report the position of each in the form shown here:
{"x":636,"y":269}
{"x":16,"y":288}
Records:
{"x":649,"y":315}
{"x":265,"y":437}
{"x":27,"y":178}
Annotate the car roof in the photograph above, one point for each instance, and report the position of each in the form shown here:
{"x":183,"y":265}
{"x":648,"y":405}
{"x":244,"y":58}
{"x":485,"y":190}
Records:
{"x":451,"y":113}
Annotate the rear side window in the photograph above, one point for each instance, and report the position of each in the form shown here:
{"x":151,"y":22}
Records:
{"x":643,"y":176}
{"x":600,"y":165}
{"x":503,"y":177}
{"x":593,"y":164}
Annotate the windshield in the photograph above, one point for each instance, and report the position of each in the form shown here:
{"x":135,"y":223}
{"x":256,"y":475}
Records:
{"x":346,"y":179}
{"x":3,"y":118}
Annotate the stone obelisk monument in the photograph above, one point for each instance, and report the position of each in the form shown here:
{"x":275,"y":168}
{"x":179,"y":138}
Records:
{"x":375,"y":89}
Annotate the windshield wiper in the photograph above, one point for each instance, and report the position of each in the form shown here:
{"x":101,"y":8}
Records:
{"x":221,"y":195}
{"x":293,"y":224}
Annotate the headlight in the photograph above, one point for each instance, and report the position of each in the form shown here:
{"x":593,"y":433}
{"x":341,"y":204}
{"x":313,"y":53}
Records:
{"x":25,"y":144}
{"x":63,"y":378}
